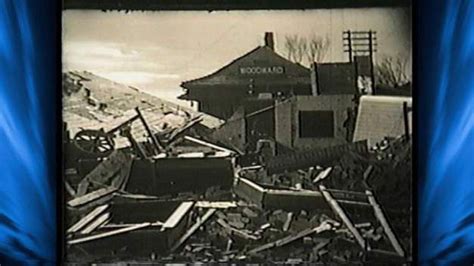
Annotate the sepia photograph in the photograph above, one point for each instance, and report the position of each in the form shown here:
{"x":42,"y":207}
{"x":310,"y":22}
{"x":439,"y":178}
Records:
{"x":238,"y":136}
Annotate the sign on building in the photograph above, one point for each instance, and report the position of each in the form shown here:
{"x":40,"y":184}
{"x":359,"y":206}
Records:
{"x":262,"y":70}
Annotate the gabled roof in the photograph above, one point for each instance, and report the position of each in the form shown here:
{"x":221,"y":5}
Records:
{"x":261,"y":56}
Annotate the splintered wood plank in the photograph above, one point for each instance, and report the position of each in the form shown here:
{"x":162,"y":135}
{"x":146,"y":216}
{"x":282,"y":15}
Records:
{"x":288,"y":221}
{"x":98,"y":222}
{"x":107,"y":234}
{"x":347,"y":222}
{"x":386,"y":227}
{"x":216,"y":204}
{"x":233,"y":231}
{"x":91,"y":196}
{"x":210,"y":145}
{"x":180,"y":131}
{"x":69,"y":189}
{"x":158,"y":146}
{"x":105,"y":173}
{"x":86,"y":219}
{"x":178,"y":214}
{"x":322,"y":175}
{"x":283,"y":241}
{"x":121,"y":180}
{"x":155,"y":224}
{"x":193,"y":229}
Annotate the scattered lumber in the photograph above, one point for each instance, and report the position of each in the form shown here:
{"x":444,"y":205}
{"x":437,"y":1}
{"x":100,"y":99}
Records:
{"x":233,"y":231}
{"x":97,"y":223}
{"x":383,"y":221}
{"x":208,"y":144}
{"x":193,"y":229}
{"x":113,"y":171}
{"x":289,"y":218}
{"x":325,"y":226}
{"x":322,"y":175}
{"x":347,"y":222}
{"x":69,"y":189}
{"x":156,"y":142}
{"x":108,"y":225}
{"x":108,"y":234}
{"x":177,"y":215}
{"x":216,"y":204}
{"x":86,"y":219}
{"x":91,"y":196}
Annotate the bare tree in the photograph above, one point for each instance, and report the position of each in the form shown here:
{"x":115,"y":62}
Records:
{"x":391,"y":71}
{"x":317,"y":48}
{"x":300,"y":48}
{"x":290,"y":46}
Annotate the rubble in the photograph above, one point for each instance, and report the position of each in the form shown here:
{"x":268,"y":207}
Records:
{"x":173,"y":196}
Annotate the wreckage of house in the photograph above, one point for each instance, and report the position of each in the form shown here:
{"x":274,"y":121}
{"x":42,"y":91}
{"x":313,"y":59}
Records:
{"x":298,"y":168}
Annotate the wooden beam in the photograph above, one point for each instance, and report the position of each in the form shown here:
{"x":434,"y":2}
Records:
{"x":233,"y":231}
{"x":177,"y":215}
{"x":135,"y":144}
{"x":86,"y":219}
{"x":322,"y":175}
{"x":252,"y":184}
{"x":98,"y":222}
{"x":107,"y":234}
{"x":123,"y":174}
{"x":325,"y":226}
{"x":91,"y":196}
{"x":208,"y":144}
{"x":193,"y":229}
{"x":155,"y":224}
{"x":216,"y":204}
{"x":105,"y":173}
{"x":289,"y":219}
{"x":125,"y":123}
{"x":367,"y":172}
{"x":69,"y":189}
{"x":158,"y":146}
{"x":347,"y":222}
{"x":179,"y":131}
{"x":386,"y":227}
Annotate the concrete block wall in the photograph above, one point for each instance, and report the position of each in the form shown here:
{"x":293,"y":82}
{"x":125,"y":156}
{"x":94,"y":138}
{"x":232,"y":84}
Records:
{"x":287,"y":120}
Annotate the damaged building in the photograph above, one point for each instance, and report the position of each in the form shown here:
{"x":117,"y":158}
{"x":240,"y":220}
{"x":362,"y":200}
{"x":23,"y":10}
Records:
{"x":298,"y":166}
{"x":260,"y":73}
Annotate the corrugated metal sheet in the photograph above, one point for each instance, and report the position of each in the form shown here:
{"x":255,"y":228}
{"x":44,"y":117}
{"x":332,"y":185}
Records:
{"x":381,"y":116}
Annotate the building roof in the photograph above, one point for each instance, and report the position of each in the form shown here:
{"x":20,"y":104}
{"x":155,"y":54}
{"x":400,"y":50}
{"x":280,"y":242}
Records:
{"x":258,"y":64}
{"x":381,"y":116}
{"x":84,"y":93}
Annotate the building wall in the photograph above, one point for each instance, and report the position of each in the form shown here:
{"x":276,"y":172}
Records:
{"x":232,"y":133}
{"x":380,"y":117}
{"x":288,"y":125}
{"x":283,"y":122}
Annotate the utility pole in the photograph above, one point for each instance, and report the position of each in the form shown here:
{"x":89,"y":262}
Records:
{"x":361,"y":43}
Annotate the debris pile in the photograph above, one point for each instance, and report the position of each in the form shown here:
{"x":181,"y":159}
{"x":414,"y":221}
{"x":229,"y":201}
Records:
{"x":172,"y":196}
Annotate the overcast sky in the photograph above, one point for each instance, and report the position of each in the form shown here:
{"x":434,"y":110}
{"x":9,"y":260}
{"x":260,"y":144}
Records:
{"x":156,"y":51}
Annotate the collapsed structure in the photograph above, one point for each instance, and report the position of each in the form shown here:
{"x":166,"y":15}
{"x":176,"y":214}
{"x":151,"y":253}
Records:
{"x":298,"y":172}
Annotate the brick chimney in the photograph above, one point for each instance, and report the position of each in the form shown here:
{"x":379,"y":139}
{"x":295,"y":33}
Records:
{"x":269,"y":40}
